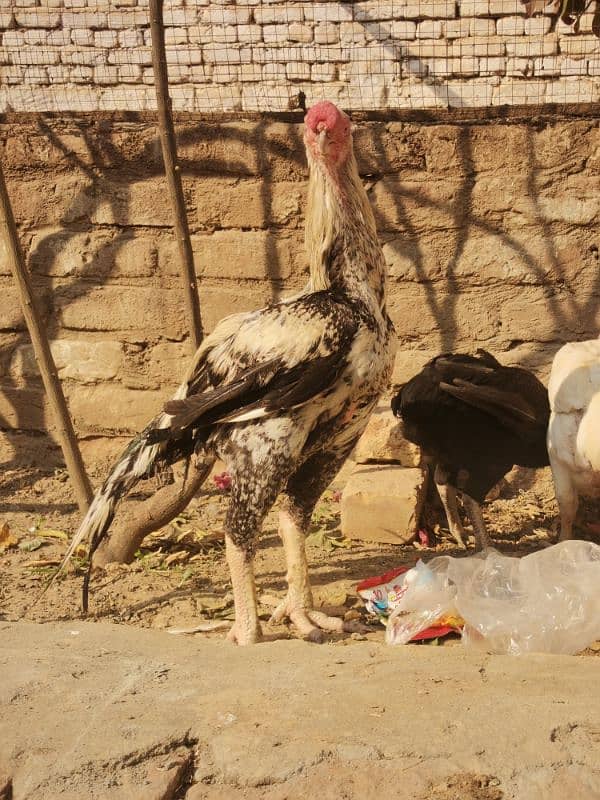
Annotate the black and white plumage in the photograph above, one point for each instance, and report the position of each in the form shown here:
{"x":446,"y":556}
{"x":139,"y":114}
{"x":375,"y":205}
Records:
{"x":474,"y":419}
{"x":281,"y":394}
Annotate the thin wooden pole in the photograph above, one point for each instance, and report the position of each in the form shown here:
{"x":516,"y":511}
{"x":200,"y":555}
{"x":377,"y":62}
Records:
{"x":173,"y":173}
{"x":43,"y":355}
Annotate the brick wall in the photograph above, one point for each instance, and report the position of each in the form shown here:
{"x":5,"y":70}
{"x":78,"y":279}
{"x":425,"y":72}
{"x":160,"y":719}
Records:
{"x":490,"y":234}
{"x":253,"y":55}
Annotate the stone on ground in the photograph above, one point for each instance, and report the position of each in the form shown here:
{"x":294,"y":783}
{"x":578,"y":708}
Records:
{"x":383,"y":502}
{"x":382,"y":441}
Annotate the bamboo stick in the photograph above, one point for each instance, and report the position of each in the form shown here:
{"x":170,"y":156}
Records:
{"x":43,"y":355}
{"x":173,"y":173}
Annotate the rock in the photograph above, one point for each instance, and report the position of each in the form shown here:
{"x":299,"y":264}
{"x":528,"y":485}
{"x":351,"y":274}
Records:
{"x":224,"y":254}
{"x":552,"y":783}
{"x":162,"y":778}
{"x":109,"y":407}
{"x":382,"y":441}
{"x":76,"y":359}
{"x":383,"y":503}
{"x":409,"y":362}
{"x":11,"y":316}
{"x":122,"y":308}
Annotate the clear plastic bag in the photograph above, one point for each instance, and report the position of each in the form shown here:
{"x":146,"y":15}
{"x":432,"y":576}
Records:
{"x":545,"y":602}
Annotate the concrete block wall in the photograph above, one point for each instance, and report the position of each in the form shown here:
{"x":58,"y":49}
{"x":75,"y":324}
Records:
{"x":258,"y":55}
{"x":491,"y":236}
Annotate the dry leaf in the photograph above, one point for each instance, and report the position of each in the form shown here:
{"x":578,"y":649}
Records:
{"x":51,"y":533}
{"x":176,"y":558}
{"x":203,"y":627}
{"x":31,"y":544}
{"x":7,"y":539}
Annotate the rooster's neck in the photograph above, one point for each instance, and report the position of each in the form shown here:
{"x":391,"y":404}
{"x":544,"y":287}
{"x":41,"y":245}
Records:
{"x":340,"y":218}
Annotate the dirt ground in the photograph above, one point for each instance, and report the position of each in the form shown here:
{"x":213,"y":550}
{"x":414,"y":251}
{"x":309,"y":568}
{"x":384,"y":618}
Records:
{"x":179,"y":578}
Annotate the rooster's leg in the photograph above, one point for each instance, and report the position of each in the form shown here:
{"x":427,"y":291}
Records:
{"x":447,"y":495}
{"x":473,"y":509}
{"x":298,"y":603}
{"x":303,"y":491}
{"x":567,"y":498}
{"x":246,"y":628}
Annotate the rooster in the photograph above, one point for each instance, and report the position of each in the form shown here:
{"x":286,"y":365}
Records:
{"x":574,"y":430}
{"x":474,"y":420}
{"x":281,"y":394}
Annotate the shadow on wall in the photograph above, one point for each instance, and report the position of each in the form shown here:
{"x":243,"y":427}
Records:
{"x":529,"y":246}
{"x":462,"y":239}
{"x":94,"y":208}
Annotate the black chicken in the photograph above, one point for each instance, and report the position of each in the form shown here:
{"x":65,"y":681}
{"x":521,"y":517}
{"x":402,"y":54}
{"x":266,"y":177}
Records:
{"x":474,"y":420}
{"x":282,"y":394}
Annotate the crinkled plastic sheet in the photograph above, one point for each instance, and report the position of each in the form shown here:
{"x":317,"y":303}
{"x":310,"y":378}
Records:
{"x":545,"y":602}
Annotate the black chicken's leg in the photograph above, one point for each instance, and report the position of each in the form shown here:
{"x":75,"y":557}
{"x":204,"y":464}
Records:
{"x":473,"y":509}
{"x":447,"y":495}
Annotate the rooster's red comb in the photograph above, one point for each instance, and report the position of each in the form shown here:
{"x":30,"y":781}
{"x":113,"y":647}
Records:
{"x":325,"y":113}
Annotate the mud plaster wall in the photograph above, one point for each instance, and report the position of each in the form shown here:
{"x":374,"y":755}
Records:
{"x":490,"y":234}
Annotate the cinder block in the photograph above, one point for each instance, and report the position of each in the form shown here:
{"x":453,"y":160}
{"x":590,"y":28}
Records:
{"x":572,"y":90}
{"x":267,"y":15}
{"x":328,"y":12}
{"x":548,"y":66}
{"x":572,"y":66}
{"x":16,"y":39}
{"x":297,"y":32}
{"x":531,"y":48}
{"x":298,"y":72}
{"x":274,"y":72}
{"x":430,"y":29}
{"x":327,"y":33}
{"x":492,"y":66}
{"x":323,"y":72}
{"x":457,"y":28}
{"x":383,"y":503}
{"x":226,"y":15}
{"x":403,"y":29}
{"x":383,"y":441}
{"x":37,"y":75}
{"x":28,"y":56}
{"x":92,"y":56}
{"x":37,"y":18}
{"x":505,"y":7}
{"x":135,"y":18}
{"x":105,"y":39}
{"x":87,"y":19}
{"x":249,"y":33}
{"x":83,"y":37}
{"x":579,"y":46}
{"x":354,"y":33}
{"x":510,"y":26}
{"x":475,"y":8}
{"x":537,"y":26}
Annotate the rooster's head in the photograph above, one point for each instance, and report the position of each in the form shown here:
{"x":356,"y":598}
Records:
{"x":328,"y":134}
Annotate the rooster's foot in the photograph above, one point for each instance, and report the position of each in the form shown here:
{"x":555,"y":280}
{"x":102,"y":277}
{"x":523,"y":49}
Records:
{"x":243,"y":635}
{"x":312,"y":624}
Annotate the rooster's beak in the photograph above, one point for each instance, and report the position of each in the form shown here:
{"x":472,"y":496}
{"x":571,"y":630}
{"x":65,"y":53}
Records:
{"x":322,"y":141}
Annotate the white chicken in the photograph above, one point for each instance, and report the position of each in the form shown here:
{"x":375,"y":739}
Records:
{"x":574,"y":429}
